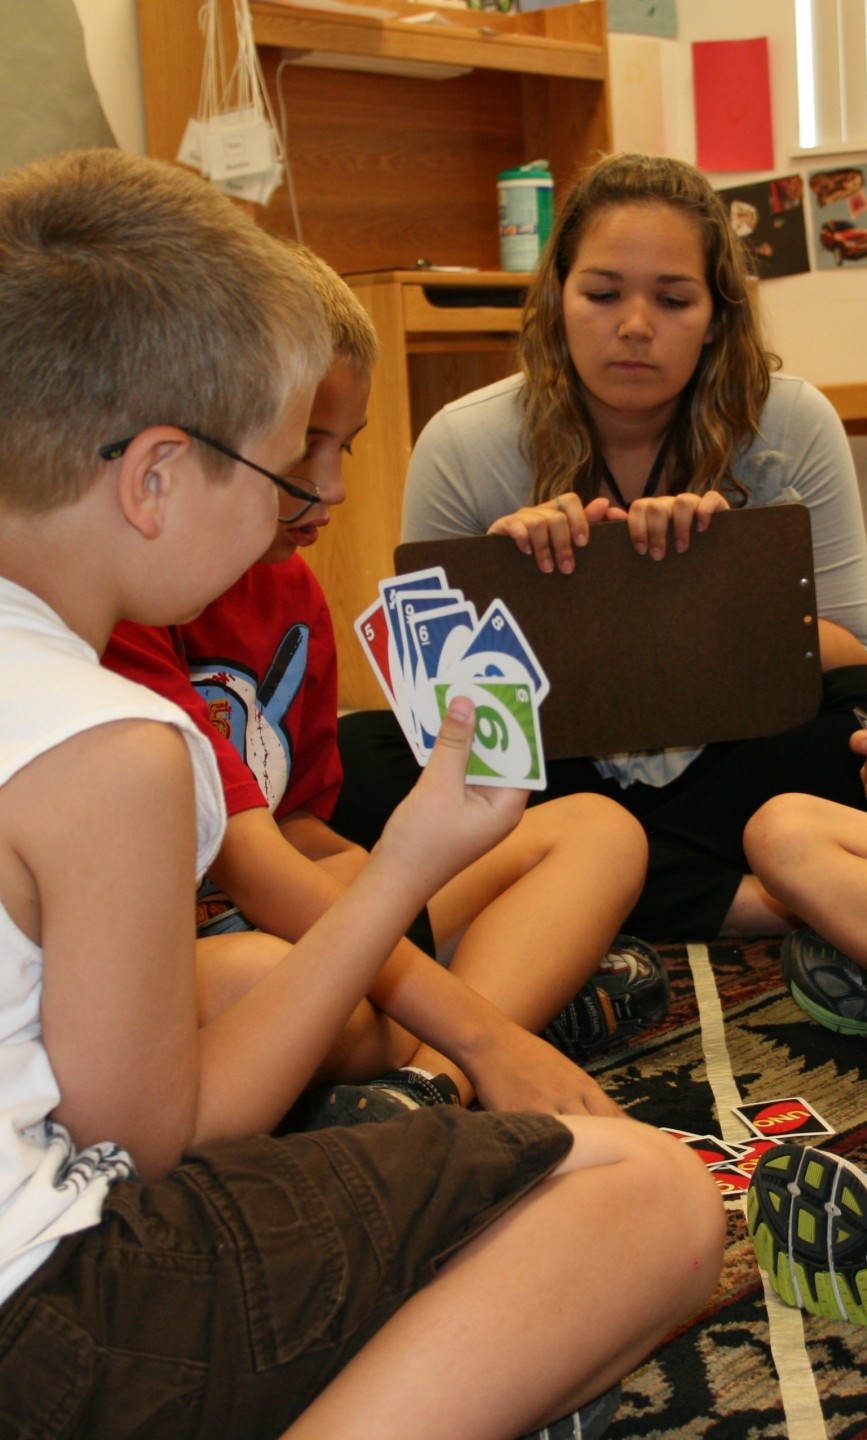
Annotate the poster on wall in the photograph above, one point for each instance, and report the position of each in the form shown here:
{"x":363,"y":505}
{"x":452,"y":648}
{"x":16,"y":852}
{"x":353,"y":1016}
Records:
{"x":838,"y":205}
{"x":643,"y":17}
{"x":732,"y":93}
{"x":768,"y":218}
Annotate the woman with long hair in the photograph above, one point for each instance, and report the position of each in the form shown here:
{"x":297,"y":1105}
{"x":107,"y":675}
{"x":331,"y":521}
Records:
{"x":647,"y":395}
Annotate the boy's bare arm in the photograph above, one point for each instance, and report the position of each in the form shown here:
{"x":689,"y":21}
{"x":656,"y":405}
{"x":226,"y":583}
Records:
{"x":316,"y":839}
{"x":119,"y":1006}
{"x":277,"y":887}
{"x":284,"y":893}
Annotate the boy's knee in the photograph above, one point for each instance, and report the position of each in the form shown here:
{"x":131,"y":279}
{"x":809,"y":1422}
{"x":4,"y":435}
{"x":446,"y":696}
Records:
{"x":601,"y":819}
{"x":781,"y":821}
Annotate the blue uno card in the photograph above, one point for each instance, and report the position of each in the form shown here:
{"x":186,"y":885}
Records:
{"x":431,"y":579}
{"x":433,"y":637}
{"x":498,"y":649}
{"x":410,"y":603}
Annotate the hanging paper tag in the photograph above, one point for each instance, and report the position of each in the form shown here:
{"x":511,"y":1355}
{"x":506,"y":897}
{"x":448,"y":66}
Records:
{"x":190,"y":148}
{"x":237,"y":143}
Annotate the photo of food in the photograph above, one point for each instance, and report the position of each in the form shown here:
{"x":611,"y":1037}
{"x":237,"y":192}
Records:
{"x":768,"y":218}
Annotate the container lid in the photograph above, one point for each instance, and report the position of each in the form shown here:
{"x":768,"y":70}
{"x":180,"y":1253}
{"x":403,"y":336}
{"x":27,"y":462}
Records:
{"x":535,"y":170}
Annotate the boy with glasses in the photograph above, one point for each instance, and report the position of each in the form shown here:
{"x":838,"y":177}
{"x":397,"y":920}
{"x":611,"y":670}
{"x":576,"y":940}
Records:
{"x":160,"y":1270}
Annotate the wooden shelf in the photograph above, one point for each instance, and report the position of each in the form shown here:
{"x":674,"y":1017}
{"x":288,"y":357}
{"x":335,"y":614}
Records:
{"x":389,"y":169}
{"x":467,"y":39}
{"x":850,"y":402}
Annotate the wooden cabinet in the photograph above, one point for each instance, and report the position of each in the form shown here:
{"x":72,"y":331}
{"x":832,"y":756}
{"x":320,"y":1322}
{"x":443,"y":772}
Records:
{"x":390,"y":169}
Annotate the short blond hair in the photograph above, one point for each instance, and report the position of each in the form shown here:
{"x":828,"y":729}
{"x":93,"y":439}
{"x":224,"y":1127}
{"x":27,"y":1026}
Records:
{"x":352,"y":333}
{"x":133,"y":293}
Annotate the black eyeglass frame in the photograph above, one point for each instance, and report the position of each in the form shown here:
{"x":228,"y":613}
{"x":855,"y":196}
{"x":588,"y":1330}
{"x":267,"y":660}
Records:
{"x":117,"y":448}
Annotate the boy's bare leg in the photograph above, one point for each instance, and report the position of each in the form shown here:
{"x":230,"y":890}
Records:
{"x":532,"y":919}
{"x":228,"y":965}
{"x":812,"y":854}
{"x":547,"y":1308}
{"x":755,"y":911}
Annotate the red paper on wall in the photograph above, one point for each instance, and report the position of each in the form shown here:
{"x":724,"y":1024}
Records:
{"x":732,"y":89}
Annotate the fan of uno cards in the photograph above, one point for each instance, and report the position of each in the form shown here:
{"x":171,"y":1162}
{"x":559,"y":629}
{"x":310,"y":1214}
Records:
{"x":427,"y":644}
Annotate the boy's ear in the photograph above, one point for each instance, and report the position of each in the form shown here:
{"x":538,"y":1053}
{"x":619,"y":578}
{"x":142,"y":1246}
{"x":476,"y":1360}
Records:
{"x":146,"y":477}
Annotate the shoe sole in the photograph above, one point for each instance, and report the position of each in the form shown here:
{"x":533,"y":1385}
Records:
{"x":354,"y":1105}
{"x":828,"y":1018}
{"x":807,"y":1219}
{"x":798,"y":948}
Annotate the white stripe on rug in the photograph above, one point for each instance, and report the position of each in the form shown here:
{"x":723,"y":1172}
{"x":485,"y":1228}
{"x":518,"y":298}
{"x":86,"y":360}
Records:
{"x":803,"y":1412}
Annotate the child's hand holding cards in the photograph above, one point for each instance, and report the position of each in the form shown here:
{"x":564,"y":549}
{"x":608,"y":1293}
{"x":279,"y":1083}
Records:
{"x":426,"y":644}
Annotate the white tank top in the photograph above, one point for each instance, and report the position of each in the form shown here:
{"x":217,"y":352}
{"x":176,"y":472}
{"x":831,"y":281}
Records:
{"x":53,"y":687}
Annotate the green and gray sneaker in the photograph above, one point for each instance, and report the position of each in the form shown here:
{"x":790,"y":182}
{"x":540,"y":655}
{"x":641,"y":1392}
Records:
{"x":807,"y":1219}
{"x":829,"y":986}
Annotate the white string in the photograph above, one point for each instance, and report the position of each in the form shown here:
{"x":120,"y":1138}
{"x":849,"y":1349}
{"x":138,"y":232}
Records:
{"x":284,"y":143}
{"x":801,"y":1405}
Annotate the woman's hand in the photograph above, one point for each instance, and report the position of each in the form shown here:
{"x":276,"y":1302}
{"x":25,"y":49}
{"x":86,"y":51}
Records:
{"x":651,"y":520}
{"x":552,"y":531}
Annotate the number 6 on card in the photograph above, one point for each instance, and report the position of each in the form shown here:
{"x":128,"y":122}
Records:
{"x":507,"y":745}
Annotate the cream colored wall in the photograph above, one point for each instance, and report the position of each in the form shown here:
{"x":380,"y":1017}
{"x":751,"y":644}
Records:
{"x":111,"y":42}
{"x":816,"y":322}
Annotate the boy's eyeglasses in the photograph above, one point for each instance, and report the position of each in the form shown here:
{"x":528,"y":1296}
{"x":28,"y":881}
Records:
{"x":296,"y":486}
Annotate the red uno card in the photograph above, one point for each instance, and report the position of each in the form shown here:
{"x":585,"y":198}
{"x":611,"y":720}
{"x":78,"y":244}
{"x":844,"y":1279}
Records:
{"x":750,"y":1155}
{"x":773,"y":1119}
{"x":730,"y":1180}
{"x":711,"y":1149}
{"x":372,"y":630}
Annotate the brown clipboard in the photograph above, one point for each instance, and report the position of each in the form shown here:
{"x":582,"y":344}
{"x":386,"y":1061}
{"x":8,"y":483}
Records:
{"x":718,"y":643}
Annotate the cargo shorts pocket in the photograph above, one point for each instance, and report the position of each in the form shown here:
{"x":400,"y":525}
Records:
{"x":289,"y":1257}
{"x":47,"y":1371}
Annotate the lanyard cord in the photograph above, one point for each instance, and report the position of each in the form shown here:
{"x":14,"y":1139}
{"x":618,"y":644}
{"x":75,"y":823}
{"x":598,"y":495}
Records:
{"x":652,"y":479}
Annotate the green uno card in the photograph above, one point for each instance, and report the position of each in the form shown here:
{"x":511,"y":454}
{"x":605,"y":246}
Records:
{"x":507,"y":746}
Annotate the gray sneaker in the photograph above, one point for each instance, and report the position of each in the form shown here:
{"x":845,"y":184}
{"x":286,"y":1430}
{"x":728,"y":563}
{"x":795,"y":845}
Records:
{"x":829,"y":986}
{"x":395,"y":1093}
{"x":588,"y":1423}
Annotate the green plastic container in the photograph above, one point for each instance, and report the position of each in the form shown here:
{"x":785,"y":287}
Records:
{"x":525,"y":200}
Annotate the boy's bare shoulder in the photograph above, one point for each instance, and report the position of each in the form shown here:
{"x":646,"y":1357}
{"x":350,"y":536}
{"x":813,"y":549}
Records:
{"x":111,"y":782}
{"x":119,"y":763}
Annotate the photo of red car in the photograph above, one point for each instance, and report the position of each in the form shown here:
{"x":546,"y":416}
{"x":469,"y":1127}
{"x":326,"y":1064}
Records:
{"x":844,"y":240}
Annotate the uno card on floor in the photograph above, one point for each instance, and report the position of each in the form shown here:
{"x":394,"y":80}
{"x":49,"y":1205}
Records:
{"x":751,"y":1153}
{"x":711,"y":1150}
{"x":775,"y":1119}
{"x":426,"y":644}
{"x":730,"y":1180}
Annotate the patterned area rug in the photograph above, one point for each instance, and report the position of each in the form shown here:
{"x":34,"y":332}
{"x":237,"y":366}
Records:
{"x":747,"y":1367}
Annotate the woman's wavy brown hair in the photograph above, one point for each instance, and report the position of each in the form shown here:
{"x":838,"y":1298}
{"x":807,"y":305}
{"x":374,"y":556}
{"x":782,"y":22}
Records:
{"x":720,"y":407}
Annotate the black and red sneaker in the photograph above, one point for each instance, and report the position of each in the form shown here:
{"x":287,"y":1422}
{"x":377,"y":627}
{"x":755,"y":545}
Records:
{"x":628,"y":992}
{"x":395,"y":1093}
